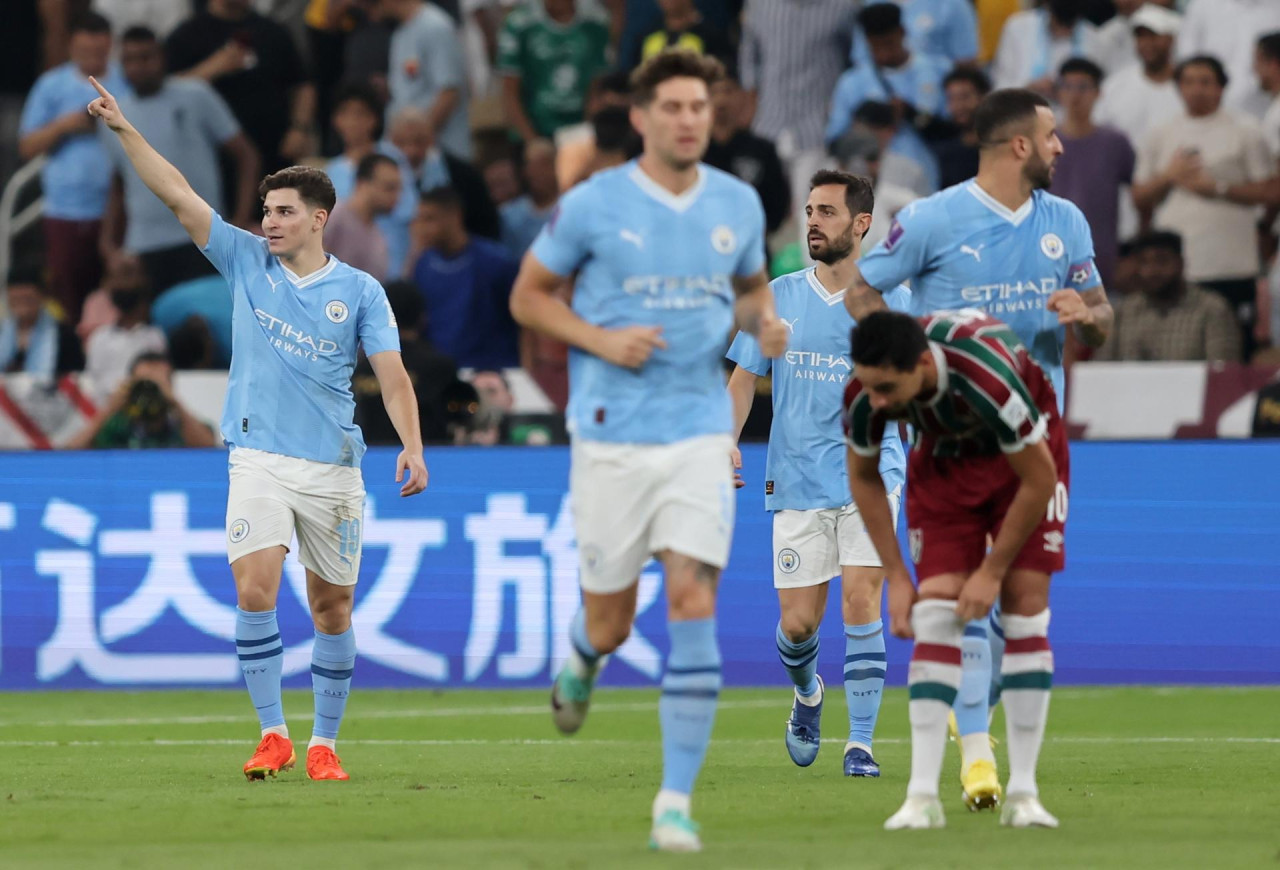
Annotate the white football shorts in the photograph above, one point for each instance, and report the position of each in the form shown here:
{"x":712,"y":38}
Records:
{"x":272,"y":497}
{"x":810,"y":547}
{"x":633,"y":500}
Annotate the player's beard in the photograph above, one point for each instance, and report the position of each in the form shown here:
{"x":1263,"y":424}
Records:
{"x":1039,"y":172}
{"x":833,"y":251}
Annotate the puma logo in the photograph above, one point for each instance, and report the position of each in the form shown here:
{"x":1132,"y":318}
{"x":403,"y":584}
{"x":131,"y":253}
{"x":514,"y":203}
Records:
{"x":790,"y":324}
{"x":274,"y":284}
{"x":976,"y":252}
{"x":632,"y":237}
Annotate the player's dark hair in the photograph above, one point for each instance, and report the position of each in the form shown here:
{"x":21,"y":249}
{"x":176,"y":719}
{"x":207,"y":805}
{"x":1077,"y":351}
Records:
{"x":313,"y":185}
{"x":1269,"y":45}
{"x":139,"y":33}
{"x":672,"y":64}
{"x":880,"y":19}
{"x":149,"y":356}
{"x":369,"y":164}
{"x":1219,"y":71}
{"x":90,"y":22}
{"x":887,"y":338}
{"x":444,"y":197}
{"x":1082,"y":66}
{"x":1002,"y":109}
{"x":405,"y":300}
{"x":859,"y":196}
{"x":981,"y":81}
{"x":1162,"y":239}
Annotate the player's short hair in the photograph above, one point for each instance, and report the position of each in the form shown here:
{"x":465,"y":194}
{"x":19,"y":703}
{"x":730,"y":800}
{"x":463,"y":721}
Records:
{"x":1002,"y":109}
{"x":369,"y":164}
{"x":313,"y":185}
{"x":1161,"y":239}
{"x":887,"y":338}
{"x":1219,"y":71}
{"x":406,"y":303}
{"x":1082,"y":66}
{"x":90,"y":22}
{"x":859,"y":196}
{"x":1269,"y":45}
{"x":880,"y":19}
{"x":674,"y":63}
{"x":444,"y":197}
{"x":981,"y":81}
{"x":139,"y":33}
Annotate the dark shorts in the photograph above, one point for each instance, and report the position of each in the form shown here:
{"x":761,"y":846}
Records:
{"x":75,"y":266}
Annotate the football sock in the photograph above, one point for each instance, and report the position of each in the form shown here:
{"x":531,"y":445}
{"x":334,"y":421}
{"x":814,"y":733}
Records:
{"x":864,"y":668}
{"x":583,"y":659}
{"x":1028,"y":676}
{"x":262,"y":660}
{"x":995,"y":638}
{"x":801,"y":661}
{"x":687,"y":709}
{"x":333,"y":659}
{"x":975,"y":683}
{"x":933,"y":680}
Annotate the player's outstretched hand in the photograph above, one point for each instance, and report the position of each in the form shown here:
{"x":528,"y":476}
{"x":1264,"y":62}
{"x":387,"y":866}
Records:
{"x":1070,"y":307}
{"x":902,"y":598}
{"x":631,"y":346}
{"x":773,"y":337}
{"x":105,"y":107}
{"x":417,"y":468}
{"x":978,"y":595}
{"x":735,"y":456}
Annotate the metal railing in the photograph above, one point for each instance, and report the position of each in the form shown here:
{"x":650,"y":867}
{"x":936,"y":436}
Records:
{"x":12,"y":224}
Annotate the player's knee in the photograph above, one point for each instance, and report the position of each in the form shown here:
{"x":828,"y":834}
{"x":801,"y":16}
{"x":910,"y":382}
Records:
{"x":255,"y":598}
{"x":331,"y":615}
{"x":607,"y":636}
{"x":799,"y":627}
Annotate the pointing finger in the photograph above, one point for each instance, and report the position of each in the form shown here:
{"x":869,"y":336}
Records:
{"x":99,"y":88}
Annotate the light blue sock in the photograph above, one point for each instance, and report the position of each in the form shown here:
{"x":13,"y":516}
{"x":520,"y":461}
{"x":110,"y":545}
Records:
{"x":995,"y":636}
{"x":864,"y":667}
{"x":333,"y":659}
{"x":801,"y":661}
{"x":687,"y":710}
{"x":975,"y":680}
{"x":582,"y":645}
{"x":261,"y":659}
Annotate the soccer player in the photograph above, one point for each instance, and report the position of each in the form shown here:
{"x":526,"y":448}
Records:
{"x":989,"y":458}
{"x":999,"y":243}
{"x":298,"y":317}
{"x":667,"y":252}
{"x":817,"y":533}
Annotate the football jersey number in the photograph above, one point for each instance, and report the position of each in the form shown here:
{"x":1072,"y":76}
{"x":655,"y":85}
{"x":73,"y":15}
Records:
{"x":1058,"y":504}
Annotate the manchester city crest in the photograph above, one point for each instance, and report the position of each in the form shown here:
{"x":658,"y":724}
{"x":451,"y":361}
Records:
{"x":238,"y":531}
{"x":336,"y":311}
{"x":723,"y":240}
{"x":788,"y":561}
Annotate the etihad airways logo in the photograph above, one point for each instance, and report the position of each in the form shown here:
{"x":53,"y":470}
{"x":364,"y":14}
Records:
{"x":288,"y":338}
{"x":678,"y":291}
{"x":809,"y":365}
{"x":1009,"y":296}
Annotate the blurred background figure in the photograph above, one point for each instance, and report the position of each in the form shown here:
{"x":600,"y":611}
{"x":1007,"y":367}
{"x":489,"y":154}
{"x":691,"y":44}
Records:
{"x":524,"y":216}
{"x":144,"y":413}
{"x":352,"y":233}
{"x":32,"y":340}
{"x":112,"y":347}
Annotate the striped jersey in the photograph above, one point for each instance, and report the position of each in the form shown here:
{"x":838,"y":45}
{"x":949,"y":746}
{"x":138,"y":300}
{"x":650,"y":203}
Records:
{"x":991,"y":396}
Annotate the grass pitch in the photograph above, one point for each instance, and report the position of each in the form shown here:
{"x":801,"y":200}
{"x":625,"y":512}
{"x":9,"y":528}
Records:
{"x":1140,"y":778}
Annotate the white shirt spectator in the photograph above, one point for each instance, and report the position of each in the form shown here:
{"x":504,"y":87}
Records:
{"x":1271,"y":127}
{"x":159,"y":16}
{"x":111,"y":350}
{"x":1135,"y":105}
{"x":1228,"y":30}
{"x":1028,"y":52}
{"x":1115,"y":44}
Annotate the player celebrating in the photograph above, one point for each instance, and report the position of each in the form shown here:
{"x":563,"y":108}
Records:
{"x":661,"y":247}
{"x":1001,"y":244}
{"x":817,"y":533}
{"x":990,"y":458}
{"x":298,"y":317}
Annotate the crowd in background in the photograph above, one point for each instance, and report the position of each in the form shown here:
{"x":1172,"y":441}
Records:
{"x":450,"y":128}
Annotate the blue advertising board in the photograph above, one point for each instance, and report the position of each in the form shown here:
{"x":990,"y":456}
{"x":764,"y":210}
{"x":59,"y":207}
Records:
{"x":113,"y":573}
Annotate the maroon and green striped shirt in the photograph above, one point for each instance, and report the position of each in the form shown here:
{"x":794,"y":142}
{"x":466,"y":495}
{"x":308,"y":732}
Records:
{"x":991,"y":395}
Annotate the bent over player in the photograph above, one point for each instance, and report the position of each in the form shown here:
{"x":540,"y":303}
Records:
{"x":989,"y":458}
{"x":298,"y":317}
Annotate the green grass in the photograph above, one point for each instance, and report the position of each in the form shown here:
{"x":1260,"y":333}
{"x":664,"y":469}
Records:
{"x":1139,"y":777}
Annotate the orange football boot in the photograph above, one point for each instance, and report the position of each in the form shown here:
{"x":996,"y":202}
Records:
{"x":323,"y":764}
{"x":275,"y":753}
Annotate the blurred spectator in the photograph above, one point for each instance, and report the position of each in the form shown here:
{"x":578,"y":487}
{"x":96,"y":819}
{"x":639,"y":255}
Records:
{"x":143,"y":413}
{"x":684,"y":27}
{"x":992,"y":15}
{"x":32,"y":341}
{"x":112,"y":347}
{"x":77,"y":178}
{"x":325,"y":26}
{"x":426,"y":71}
{"x":366,"y":52}
{"x":1228,"y":30}
{"x":1143,"y":95}
{"x":735,"y":149}
{"x":19,"y":65}
{"x":524,"y":216}
{"x":576,"y":144}
{"x":1203,"y":175}
{"x":615,"y":141}
{"x":491,"y":424}
{"x":194,"y":346}
{"x":640,"y":18}
{"x":1096,"y":163}
{"x":466,"y":284}
{"x":942,"y":28}
{"x":957,"y":154}
{"x":431,"y":372}
{"x":548,"y":54}
{"x":253,"y":63}
{"x":502,"y":179}
{"x":1115,"y":38}
{"x":124,"y":270}
{"x":908,"y":85}
{"x":206,"y":299}
{"x":791,"y":57}
{"x":1169,"y":319}
{"x":189,"y":125}
{"x":160,"y":16}
{"x":431,"y":167}
{"x":1266,"y":65}
{"x":1035,"y":43}
{"x":352,"y":233}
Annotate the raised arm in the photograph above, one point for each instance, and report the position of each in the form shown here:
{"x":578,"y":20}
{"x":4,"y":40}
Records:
{"x":158,"y":174}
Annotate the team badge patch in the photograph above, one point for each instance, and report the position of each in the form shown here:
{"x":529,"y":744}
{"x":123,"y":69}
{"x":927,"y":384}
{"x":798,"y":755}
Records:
{"x":238,"y":531}
{"x":1051,"y":246}
{"x":1081,"y":272}
{"x":915,"y":541}
{"x":723,"y":240}
{"x":336,"y":311}
{"x":788,"y":561}
{"x":592,"y":557}
{"x":896,"y":233}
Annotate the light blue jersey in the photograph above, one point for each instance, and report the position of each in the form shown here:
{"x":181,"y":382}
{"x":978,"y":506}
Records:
{"x":947,"y":28}
{"x":647,"y":257}
{"x":294,"y":347}
{"x":805,"y":467}
{"x":961,"y":249}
